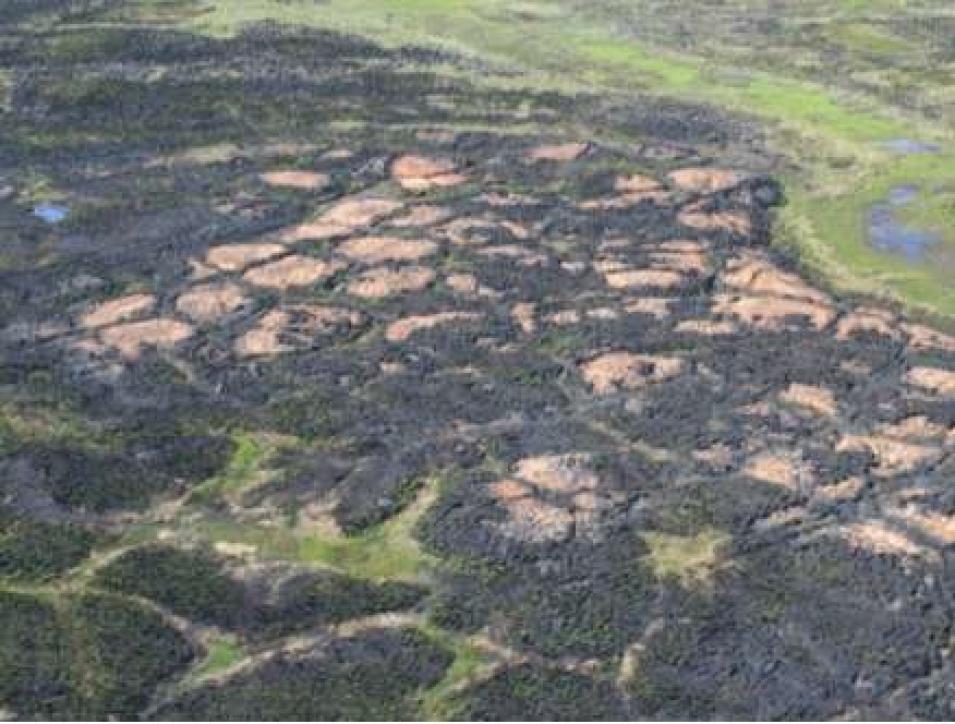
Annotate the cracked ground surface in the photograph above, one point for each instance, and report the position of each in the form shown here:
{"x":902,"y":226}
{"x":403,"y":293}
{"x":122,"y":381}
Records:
{"x":350,"y":390}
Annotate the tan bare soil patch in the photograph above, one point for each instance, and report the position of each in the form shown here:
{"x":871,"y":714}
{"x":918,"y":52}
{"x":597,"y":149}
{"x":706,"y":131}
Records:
{"x":925,"y":338}
{"x":345,"y":217}
{"x":688,"y":257}
{"x":558,"y":152}
{"x":237,"y":257}
{"x":867,"y":319}
{"x":304,"y":180}
{"x":558,"y":473}
{"x":295,"y":327}
{"x":536,"y":521}
{"x":403,"y":329}
{"x":378,"y":249}
{"x":524,"y":257}
{"x":613,"y":370}
{"x":382,"y":282}
{"x":524,"y":314}
{"x":635,"y":183}
{"x":663,"y":279}
{"x":707,"y":327}
{"x":420,"y":173}
{"x":705,"y":180}
{"x":900,"y":448}
{"x":658,"y":307}
{"x":878,"y":538}
{"x":848,"y":489}
{"x":933,"y":380}
{"x":811,"y":397}
{"x":132,"y":338}
{"x":209,"y":302}
{"x":118,"y":310}
{"x":785,"y":470}
{"x":935,"y":525}
{"x":771,"y":296}
{"x":422,"y":216}
{"x":733,"y":222}
{"x":718,"y":457}
{"x":292,"y":271}
{"x":463,"y":283}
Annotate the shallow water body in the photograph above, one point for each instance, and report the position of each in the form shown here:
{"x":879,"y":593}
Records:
{"x":889,"y":234}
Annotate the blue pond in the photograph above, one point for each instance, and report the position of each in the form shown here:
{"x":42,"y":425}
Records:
{"x":51,"y":213}
{"x":908,"y":146}
{"x":887,"y":233}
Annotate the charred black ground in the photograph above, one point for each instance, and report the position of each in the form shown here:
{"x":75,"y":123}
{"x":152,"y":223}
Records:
{"x":342,"y":369}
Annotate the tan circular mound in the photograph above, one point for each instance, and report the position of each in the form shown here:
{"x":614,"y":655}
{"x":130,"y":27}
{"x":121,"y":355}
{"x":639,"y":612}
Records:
{"x":403,"y":329}
{"x":294,"y":328}
{"x":705,"y":180}
{"x":867,"y":319}
{"x":118,"y":310}
{"x":811,"y":397}
{"x":463,"y":283}
{"x":420,"y":173}
{"x":558,"y":152}
{"x":933,"y":379}
{"x":731,"y":222}
{"x":132,"y":338}
{"x":209,"y":302}
{"x":345,"y":217}
{"x":378,"y":249}
{"x":292,"y":271}
{"x":645,"y":278}
{"x":425,"y":215}
{"x":236,"y":257}
{"x":304,"y":180}
{"x":615,"y":370}
{"x":380,"y":283}
{"x":635,"y":184}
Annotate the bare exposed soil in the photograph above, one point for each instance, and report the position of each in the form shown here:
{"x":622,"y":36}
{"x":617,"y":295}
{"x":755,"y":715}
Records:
{"x":659,"y":474}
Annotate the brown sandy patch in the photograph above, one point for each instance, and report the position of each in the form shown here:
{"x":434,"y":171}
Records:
{"x":900,"y":448}
{"x":684,"y":256}
{"x":848,"y":489}
{"x":209,"y":302}
{"x":613,"y":370}
{"x":925,"y":338}
{"x":236,"y":257}
{"x":811,"y":397}
{"x":535,"y":521}
{"x":705,"y":180}
{"x":403,"y":329}
{"x":935,"y":525}
{"x":132,"y":338}
{"x":658,"y":307}
{"x":772,"y":296}
{"x":378,"y":249}
{"x":635,"y":183}
{"x":663,"y":279}
{"x":304,"y":180}
{"x":292,"y":271}
{"x":558,"y":152}
{"x":706,"y":327}
{"x":422,"y":216}
{"x":558,"y":473}
{"x":733,"y":222}
{"x":118,"y":310}
{"x":381,"y":282}
{"x":932,"y":379}
{"x":867,"y":319}
{"x":876,"y":537}
{"x":524,"y":257}
{"x":345,"y":217}
{"x":770,"y":313}
{"x":754,"y":273}
{"x":787,"y":471}
{"x":294,"y":328}
{"x":463,"y":283}
{"x":524,"y":315}
{"x":420,"y":173}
